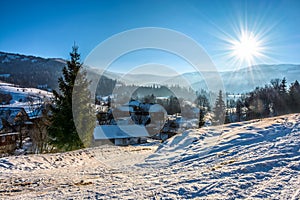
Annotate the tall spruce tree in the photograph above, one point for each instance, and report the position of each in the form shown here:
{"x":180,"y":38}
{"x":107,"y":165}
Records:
{"x":62,"y":132}
{"x":238,"y":109}
{"x":201,"y":122}
{"x":203,"y":101}
{"x":294,"y":97}
{"x":219,"y":110}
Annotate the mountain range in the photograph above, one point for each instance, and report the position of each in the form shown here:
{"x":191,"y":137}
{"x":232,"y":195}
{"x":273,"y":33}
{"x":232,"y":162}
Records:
{"x":236,"y":81}
{"x":32,"y":71}
{"x":247,"y":79}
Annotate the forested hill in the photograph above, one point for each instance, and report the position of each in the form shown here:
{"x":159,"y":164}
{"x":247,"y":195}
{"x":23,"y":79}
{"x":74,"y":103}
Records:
{"x":30,"y":71}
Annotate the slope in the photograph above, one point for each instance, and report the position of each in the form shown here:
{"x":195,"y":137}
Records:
{"x":254,"y":159}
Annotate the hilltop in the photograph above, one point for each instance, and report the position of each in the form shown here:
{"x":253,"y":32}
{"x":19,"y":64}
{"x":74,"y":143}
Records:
{"x":36,"y":72}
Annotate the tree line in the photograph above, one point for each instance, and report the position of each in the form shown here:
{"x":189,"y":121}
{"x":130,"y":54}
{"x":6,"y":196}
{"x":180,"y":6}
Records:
{"x":271,"y":100}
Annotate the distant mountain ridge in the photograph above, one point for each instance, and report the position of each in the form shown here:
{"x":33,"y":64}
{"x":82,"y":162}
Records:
{"x":236,"y":81}
{"x":247,"y":79}
{"x":32,"y":71}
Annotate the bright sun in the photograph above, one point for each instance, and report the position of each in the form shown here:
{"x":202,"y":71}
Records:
{"x":246,"y":48}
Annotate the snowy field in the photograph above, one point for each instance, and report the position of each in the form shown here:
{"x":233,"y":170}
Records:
{"x":30,"y":99}
{"x":19,"y":93}
{"x":249,"y":160}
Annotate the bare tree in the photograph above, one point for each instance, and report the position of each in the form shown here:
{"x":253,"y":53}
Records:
{"x":20,"y":122}
{"x":39,"y":134}
{"x":39,"y":110}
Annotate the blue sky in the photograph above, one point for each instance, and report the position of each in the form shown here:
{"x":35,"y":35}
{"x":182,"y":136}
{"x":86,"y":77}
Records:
{"x":49,"y":28}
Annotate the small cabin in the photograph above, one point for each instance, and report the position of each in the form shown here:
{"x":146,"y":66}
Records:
{"x":122,"y":135}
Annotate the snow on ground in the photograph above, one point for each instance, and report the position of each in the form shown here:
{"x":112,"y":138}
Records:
{"x":30,"y":99}
{"x":19,"y":93}
{"x":252,"y":160}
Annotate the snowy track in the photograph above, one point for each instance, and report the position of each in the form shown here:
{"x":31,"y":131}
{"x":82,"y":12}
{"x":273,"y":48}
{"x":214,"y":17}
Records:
{"x":249,"y":160}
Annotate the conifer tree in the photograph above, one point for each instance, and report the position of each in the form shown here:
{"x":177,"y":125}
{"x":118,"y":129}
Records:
{"x":238,"y":111}
{"x":294,"y":97}
{"x":282,"y":90}
{"x":201,"y":118}
{"x":203,"y":101}
{"x":219,"y":110}
{"x":62,"y":131}
{"x":280,"y":98}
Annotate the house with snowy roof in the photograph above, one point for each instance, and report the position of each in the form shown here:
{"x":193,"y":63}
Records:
{"x":11,"y":117}
{"x":12,"y":120}
{"x":122,"y":135}
{"x":132,"y":123}
{"x":14,"y":114}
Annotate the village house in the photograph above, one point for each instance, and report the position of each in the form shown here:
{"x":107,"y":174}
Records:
{"x":132,"y":123}
{"x":16,"y":122}
{"x":12,"y":117}
{"x":120,"y":135}
{"x":12,"y":121}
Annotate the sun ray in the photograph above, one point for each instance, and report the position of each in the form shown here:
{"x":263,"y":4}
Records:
{"x":246,"y":47}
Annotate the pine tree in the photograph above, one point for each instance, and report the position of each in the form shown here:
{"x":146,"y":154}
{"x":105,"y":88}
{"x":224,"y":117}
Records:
{"x":282,"y":90}
{"x":238,"y":111}
{"x":202,"y":101}
{"x":294,"y":97}
{"x":62,"y":132}
{"x":219,"y":110}
{"x":201,"y":118}
{"x":280,"y":98}
{"x":83,"y":112}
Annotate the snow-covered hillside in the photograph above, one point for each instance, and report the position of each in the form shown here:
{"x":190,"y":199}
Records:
{"x":254,"y":159}
{"x":30,"y":99}
{"x":21,"y":95}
